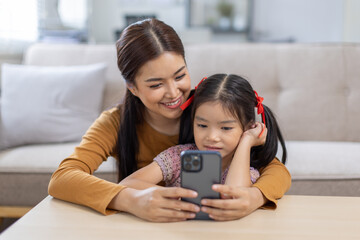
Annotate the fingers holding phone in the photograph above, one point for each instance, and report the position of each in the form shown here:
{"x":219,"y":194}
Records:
{"x":160,"y":204}
{"x":240,"y":202}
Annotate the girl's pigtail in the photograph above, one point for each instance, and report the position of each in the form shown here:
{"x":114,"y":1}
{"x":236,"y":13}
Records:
{"x":263,"y":155}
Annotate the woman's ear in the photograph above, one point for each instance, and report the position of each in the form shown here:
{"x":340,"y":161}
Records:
{"x":131,"y":88}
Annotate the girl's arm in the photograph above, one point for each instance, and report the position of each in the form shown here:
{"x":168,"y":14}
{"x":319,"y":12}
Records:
{"x":239,"y":170}
{"x":145,"y":177}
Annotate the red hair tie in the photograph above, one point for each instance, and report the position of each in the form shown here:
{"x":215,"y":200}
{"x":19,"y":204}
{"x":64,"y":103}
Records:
{"x":260,"y":109}
{"x":191,"y":99}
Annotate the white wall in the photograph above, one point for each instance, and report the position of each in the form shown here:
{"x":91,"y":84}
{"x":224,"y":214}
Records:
{"x":352,"y":21}
{"x":274,"y":20}
{"x":301,"y":20}
{"x":106,"y":16}
{"x":103,"y":19}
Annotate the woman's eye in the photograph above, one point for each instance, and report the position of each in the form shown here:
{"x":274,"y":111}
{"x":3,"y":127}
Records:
{"x":226,"y":128}
{"x":201,"y":125}
{"x":180,"y":77}
{"x":155,"y":85}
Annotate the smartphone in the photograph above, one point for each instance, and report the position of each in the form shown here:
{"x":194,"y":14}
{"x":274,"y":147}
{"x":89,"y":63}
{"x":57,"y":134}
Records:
{"x":199,"y":171}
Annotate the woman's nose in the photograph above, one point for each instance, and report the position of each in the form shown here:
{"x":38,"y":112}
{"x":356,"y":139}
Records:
{"x":172,"y":89}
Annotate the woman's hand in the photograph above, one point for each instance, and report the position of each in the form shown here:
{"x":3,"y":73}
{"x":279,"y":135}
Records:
{"x":237,"y":202}
{"x":253,"y":134}
{"x":156,"y":204}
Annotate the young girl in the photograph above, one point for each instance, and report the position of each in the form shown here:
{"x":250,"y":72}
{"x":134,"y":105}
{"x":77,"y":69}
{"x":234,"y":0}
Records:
{"x":223,"y":116}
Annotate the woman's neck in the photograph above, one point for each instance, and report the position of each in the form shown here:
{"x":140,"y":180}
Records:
{"x":169,"y":127}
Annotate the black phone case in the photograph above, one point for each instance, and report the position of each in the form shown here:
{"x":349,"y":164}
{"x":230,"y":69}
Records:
{"x":202,"y":180}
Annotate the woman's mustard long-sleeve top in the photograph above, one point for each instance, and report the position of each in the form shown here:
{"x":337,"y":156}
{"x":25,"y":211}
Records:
{"x":73,"y":181}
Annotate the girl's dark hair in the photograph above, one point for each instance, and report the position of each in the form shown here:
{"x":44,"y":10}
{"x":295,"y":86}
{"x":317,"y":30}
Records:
{"x":138,"y":43}
{"x":237,"y":96}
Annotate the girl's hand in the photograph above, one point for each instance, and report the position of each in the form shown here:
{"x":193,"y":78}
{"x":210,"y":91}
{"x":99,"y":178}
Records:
{"x":237,"y":203}
{"x":253,"y":134}
{"x":157,"y":204}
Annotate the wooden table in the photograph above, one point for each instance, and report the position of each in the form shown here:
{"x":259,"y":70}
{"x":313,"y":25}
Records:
{"x":297,"y":217}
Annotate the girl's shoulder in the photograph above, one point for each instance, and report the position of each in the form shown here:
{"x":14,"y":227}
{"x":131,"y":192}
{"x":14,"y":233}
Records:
{"x":182,"y":147}
{"x":175,"y":151}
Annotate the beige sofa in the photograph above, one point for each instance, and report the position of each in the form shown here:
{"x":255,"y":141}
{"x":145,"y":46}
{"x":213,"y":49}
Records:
{"x":313,"y":89}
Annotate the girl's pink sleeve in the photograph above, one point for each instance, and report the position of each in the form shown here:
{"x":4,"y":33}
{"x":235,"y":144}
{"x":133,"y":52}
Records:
{"x":169,"y":162}
{"x":254,"y":174}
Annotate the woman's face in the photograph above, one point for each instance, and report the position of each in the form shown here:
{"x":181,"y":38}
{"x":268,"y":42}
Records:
{"x":163,"y":84}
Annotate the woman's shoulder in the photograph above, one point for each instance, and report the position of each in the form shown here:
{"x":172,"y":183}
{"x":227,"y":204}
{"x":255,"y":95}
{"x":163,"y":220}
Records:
{"x":110,"y":116}
{"x":112,"y":111}
{"x":106,"y":126}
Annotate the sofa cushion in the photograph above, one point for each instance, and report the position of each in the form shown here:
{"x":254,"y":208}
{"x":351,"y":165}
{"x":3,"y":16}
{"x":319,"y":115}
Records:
{"x":322,"y":160}
{"x":49,"y":104}
{"x":42,"y":158}
{"x":43,"y":54}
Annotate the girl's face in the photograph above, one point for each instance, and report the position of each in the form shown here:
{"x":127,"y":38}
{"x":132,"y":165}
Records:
{"x":216,"y":130}
{"x":163,"y":84}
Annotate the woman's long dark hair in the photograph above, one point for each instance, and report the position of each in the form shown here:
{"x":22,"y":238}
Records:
{"x":237,"y":96}
{"x":139,"y":43}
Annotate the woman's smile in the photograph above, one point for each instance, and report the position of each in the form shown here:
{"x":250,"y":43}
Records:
{"x":173,"y":104}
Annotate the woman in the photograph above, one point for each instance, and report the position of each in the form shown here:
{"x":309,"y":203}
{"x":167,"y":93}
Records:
{"x":151,"y":59}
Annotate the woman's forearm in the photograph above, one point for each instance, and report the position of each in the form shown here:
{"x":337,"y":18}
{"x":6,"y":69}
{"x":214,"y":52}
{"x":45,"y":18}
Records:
{"x":137,"y":183}
{"x":257,"y":198}
{"x":121,"y":200}
{"x":157,"y":204}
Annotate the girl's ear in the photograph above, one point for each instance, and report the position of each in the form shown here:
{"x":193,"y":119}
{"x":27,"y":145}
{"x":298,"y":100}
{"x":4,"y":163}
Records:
{"x":131,"y":88}
{"x":250,"y":125}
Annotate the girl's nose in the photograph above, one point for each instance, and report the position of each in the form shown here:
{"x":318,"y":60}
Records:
{"x":213,"y":136}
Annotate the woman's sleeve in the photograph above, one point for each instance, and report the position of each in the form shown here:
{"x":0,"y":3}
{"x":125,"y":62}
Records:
{"x":274,"y":182}
{"x":73,"y":181}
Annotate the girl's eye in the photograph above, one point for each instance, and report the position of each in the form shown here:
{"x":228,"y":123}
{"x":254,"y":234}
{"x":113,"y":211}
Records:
{"x":226,"y":128}
{"x":201,"y":125}
{"x":155,"y":86}
{"x":180,"y":77}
